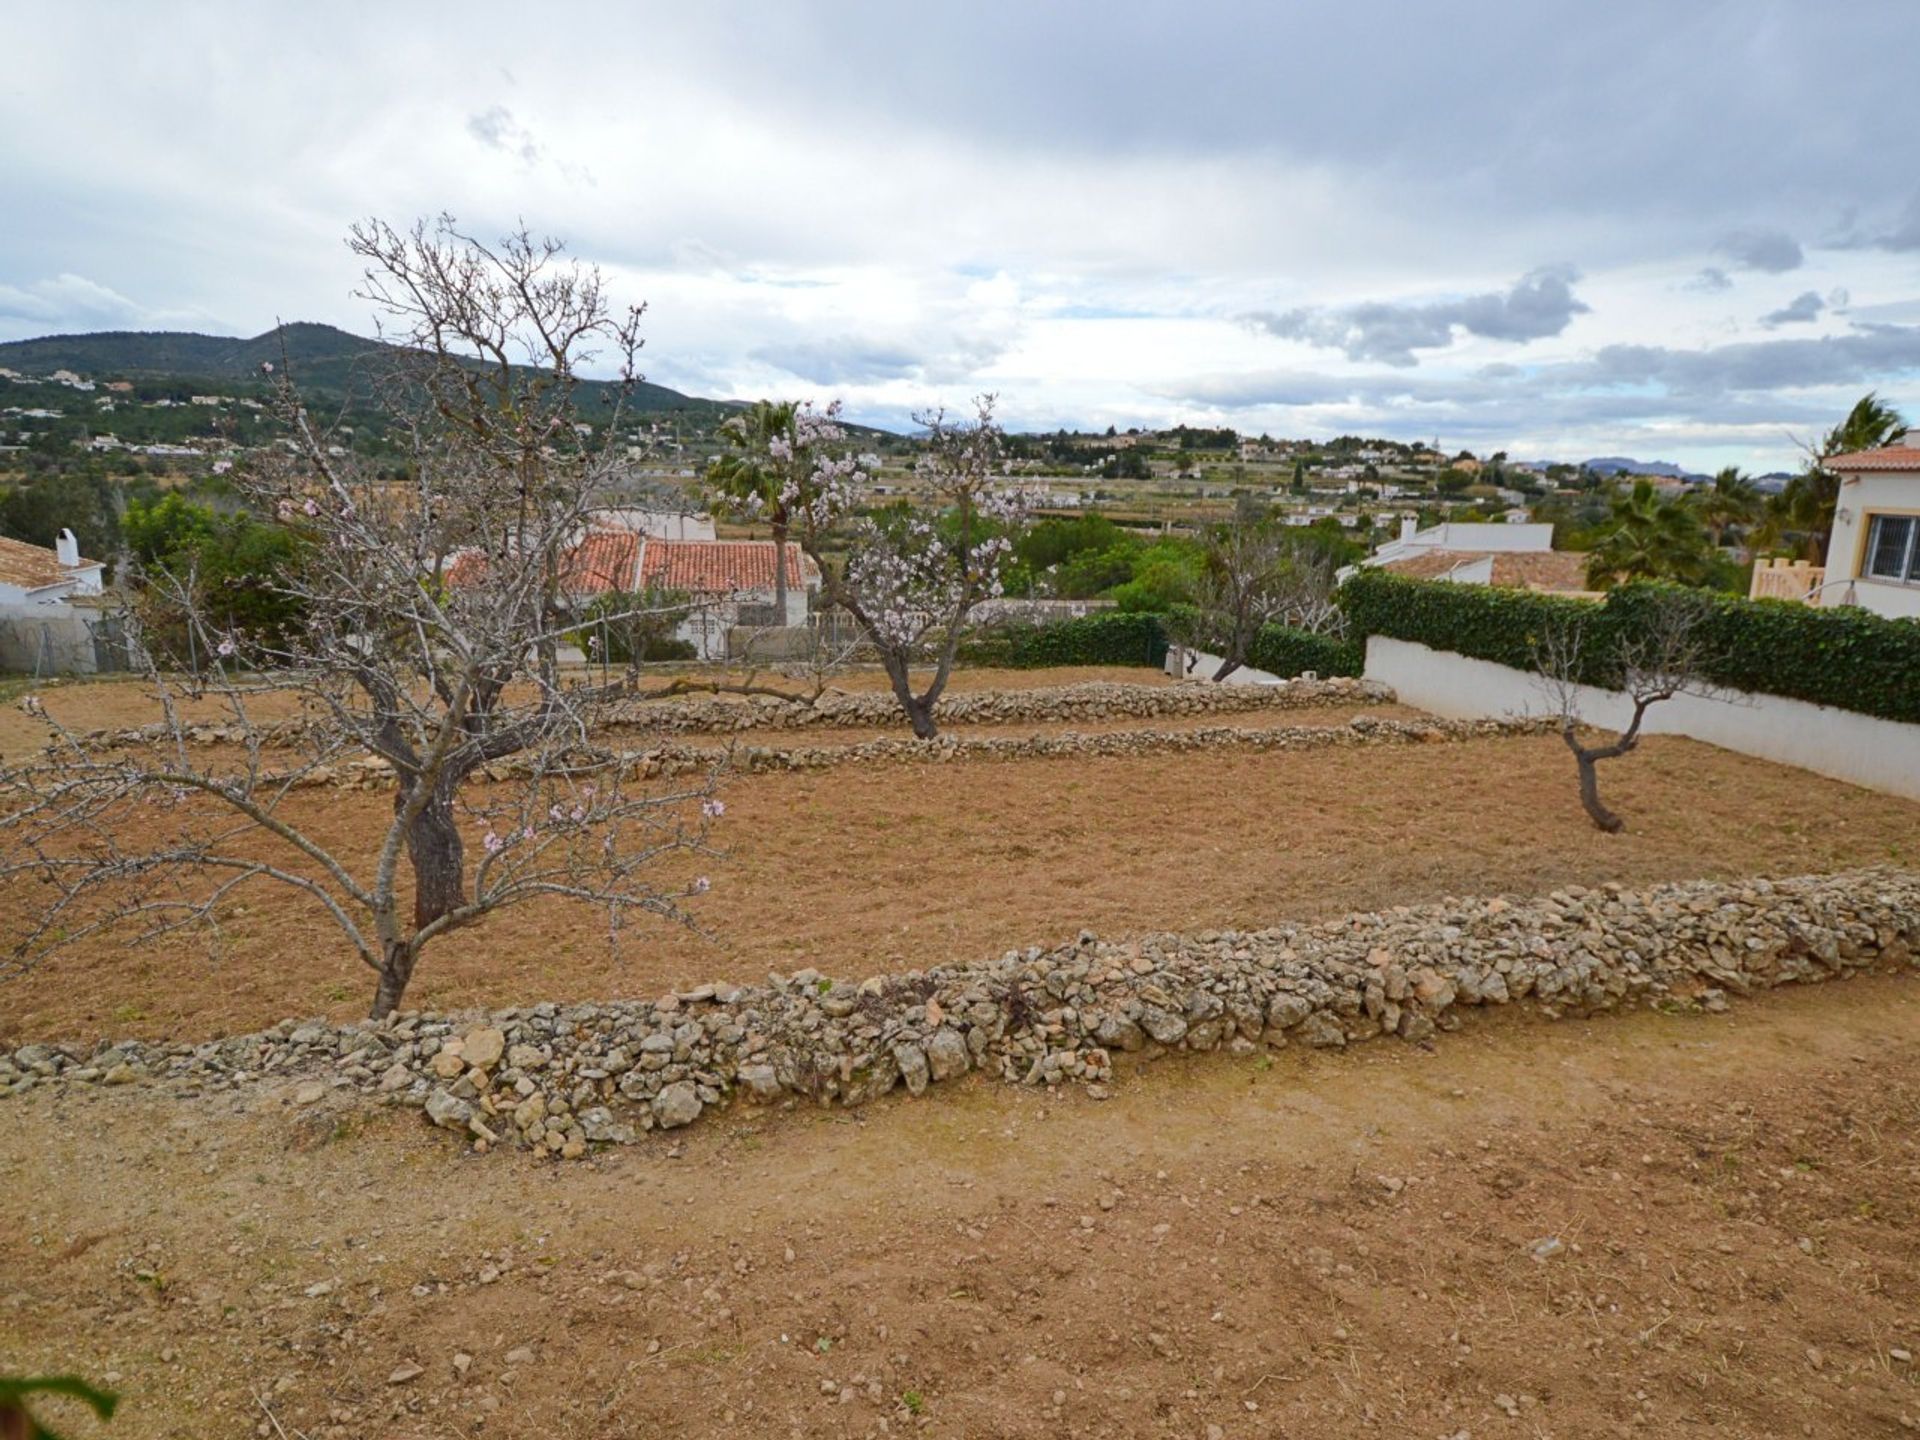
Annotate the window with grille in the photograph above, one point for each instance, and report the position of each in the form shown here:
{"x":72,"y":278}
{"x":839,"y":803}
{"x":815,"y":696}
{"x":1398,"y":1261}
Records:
{"x":1893,"y":548}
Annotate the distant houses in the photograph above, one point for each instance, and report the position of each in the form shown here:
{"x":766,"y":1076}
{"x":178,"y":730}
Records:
{"x":635,"y":550}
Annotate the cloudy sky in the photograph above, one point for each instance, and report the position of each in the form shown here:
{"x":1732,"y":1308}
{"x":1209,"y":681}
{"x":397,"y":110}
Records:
{"x":1687,"y":231}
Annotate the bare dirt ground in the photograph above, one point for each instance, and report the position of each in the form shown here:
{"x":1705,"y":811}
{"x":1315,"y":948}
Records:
{"x":859,"y":870}
{"x":125,"y":702}
{"x":1301,"y":1246}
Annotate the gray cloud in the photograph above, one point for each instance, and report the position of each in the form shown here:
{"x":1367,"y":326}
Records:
{"x":1802,"y":308}
{"x":1902,"y":237}
{"x":1710,"y":280}
{"x":844,"y":361}
{"x":1541,"y":303}
{"x":1754,"y":382}
{"x":1773,"y":251}
{"x":69,"y":301}
{"x":495,"y":127}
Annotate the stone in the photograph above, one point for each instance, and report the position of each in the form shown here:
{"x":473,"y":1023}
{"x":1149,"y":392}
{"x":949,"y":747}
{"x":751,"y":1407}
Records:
{"x":947,"y":1054}
{"x":525,"y":1057}
{"x":676,"y":1105}
{"x":449,"y":1112}
{"x":402,"y":1374}
{"x":483,"y":1047}
{"x":912,"y":1061}
{"x":530,"y":1112}
{"x":448,"y":1065}
{"x":598,"y":1125}
{"x":396,"y":1077}
{"x":309,"y":1093}
{"x":1322,"y":1032}
{"x":121,"y":1074}
{"x":759,"y":1081}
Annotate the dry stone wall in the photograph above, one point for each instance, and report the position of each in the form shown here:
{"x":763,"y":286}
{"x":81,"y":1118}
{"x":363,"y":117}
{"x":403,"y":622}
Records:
{"x":563,"y":1078}
{"x":1055,"y":704}
{"x":681,"y":759}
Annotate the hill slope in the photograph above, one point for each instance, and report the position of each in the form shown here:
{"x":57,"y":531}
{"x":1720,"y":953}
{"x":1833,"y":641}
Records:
{"x":321,"y":357}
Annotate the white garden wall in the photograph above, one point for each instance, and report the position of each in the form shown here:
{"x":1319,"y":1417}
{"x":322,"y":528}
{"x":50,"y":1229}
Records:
{"x":1879,"y":754}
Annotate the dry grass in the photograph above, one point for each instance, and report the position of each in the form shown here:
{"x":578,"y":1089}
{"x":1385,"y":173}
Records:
{"x":860,"y":870}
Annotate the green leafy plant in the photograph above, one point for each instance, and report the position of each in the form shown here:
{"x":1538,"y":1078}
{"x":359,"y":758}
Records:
{"x":1848,"y":658}
{"x":1131,"y":637}
{"x":16,"y":1420}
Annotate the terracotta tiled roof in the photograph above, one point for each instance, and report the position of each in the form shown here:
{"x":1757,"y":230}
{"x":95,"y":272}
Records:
{"x":721,"y":567}
{"x":1888,"y":457}
{"x":33,"y":566}
{"x":604,"y":561}
{"x":1519,"y":569}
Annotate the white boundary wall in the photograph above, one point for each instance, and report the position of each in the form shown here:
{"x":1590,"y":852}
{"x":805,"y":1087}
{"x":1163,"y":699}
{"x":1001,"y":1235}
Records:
{"x":1185,"y":664}
{"x":1879,"y":754}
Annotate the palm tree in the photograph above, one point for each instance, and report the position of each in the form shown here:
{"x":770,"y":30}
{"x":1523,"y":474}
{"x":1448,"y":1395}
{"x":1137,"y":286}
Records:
{"x":752,"y":477}
{"x":1731,"y":500}
{"x":1804,"y":509}
{"x":1652,"y":538}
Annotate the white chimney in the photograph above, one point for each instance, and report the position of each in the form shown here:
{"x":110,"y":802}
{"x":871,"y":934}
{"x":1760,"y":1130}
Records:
{"x":1409,"y":526}
{"x":66,"y":547}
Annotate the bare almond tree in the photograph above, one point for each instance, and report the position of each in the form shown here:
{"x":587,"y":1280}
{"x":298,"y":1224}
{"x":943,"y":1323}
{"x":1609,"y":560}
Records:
{"x":1257,"y":575}
{"x":432,"y":612}
{"x":1667,"y":656}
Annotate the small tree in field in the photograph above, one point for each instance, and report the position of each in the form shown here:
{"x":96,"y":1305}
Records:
{"x":431,"y":615}
{"x":1257,"y":575}
{"x":1666,"y":657}
{"x":910,"y":581}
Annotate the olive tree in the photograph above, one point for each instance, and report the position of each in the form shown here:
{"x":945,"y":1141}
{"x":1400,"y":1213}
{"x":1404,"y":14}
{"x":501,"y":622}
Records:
{"x":433,"y":612}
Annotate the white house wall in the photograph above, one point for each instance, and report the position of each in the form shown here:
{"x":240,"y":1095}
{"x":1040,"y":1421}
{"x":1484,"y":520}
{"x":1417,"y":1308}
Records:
{"x":1879,"y":754}
{"x":1895,"y":492}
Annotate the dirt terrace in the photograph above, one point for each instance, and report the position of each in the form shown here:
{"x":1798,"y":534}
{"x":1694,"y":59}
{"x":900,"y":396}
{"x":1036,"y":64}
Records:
{"x":855,"y":871}
{"x":127,"y":702}
{"x":1306,"y":1245}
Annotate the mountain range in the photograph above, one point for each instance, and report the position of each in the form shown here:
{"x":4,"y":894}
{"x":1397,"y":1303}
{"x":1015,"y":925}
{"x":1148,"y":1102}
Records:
{"x":321,"y":358}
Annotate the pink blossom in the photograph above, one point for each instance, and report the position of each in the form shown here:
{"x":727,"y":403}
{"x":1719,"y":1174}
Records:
{"x":225,"y":647}
{"x":494,"y":843}
{"x":713,"y":809}
{"x":701,"y":886}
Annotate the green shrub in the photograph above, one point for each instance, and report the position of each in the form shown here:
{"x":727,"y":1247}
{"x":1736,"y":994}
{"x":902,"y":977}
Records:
{"x":1286,"y":652}
{"x":1847,"y":658}
{"x":1110,"y":638}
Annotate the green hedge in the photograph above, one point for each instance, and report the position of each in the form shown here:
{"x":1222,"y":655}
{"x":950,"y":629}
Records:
{"x":1120,"y":637}
{"x":1286,"y":652}
{"x":1848,"y":658}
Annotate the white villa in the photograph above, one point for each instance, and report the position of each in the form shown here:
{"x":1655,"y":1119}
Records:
{"x":35,"y":575}
{"x":1510,"y":553}
{"x":1873,"y":558}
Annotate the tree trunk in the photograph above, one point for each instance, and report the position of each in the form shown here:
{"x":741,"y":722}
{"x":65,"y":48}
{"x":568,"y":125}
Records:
{"x":1227,"y":667}
{"x":439,"y":885}
{"x":439,"y":879}
{"x":1604,"y":818}
{"x":396,"y":969}
{"x":780,"y":570}
{"x":919,"y":708}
